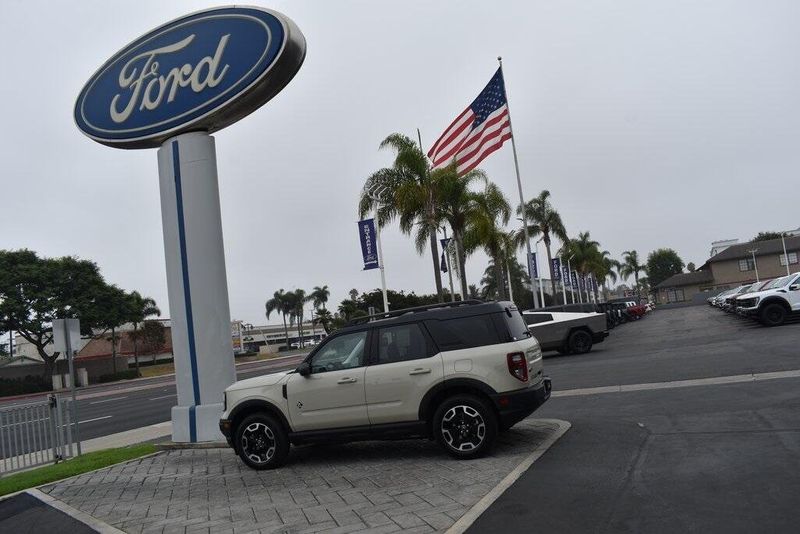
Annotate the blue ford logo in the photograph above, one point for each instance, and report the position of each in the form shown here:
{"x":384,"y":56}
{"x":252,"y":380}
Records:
{"x":201,"y":72}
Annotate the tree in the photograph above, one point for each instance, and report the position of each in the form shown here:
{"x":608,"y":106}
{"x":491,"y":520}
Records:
{"x":325,"y":318}
{"x":604,"y":270}
{"x":319,"y":296}
{"x":766,"y":236}
{"x":485,"y":230}
{"x":280,"y":303}
{"x":661,"y":264}
{"x":141,"y":308}
{"x":152,"y":337}
{"x":544,"y":220}
{"x":690,"y":267}
{"x":117,"y":311}
{"x":630,"y":266}
{"x":296,"y":304}
{"x":34,"y":291}
{"x":520,"y":283}
{"x":455,"y":204}
{"x":407,"y":192}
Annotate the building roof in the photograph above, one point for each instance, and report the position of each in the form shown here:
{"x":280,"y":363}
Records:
{"x":765,"y":248}
{"x":687,"y":279}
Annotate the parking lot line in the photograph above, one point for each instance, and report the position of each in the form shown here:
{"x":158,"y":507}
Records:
{"x":718,"y":380}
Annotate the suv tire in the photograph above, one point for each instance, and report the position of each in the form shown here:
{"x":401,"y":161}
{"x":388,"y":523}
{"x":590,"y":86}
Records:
{"x":465,"y":426}
{"x":772,"y":314}
{"x":261,"y":442}
{"x":579,"y":342}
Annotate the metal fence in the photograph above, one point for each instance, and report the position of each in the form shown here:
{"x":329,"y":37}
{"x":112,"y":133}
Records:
{"x":35,"y":434}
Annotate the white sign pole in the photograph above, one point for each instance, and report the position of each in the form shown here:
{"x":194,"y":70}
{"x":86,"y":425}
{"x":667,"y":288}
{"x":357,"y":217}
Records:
{"x":66,"y":336}
{"x":196,"y":283}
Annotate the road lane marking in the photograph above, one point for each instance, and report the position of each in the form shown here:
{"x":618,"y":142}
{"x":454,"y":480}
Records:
{"x":649,"y":386}
{"x":108,"y":400}
{"x":163,"y":396}
{"x":95,"y":419}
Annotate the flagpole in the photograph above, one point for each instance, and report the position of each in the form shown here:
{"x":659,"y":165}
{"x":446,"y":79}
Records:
{"x":519,"y":186}
{"x":449,"y":266}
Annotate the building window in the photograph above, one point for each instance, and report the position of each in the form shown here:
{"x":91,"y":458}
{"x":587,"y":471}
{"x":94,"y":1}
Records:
{"x":746,"y":265}
{"x":792,"y":258}
{"x":675,"y":295}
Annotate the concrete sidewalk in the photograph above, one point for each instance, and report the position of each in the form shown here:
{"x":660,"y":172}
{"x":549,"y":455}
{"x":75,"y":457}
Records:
{"x":370,"y":486}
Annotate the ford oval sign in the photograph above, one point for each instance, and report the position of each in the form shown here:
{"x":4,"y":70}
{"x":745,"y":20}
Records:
{"x":200,"y":72}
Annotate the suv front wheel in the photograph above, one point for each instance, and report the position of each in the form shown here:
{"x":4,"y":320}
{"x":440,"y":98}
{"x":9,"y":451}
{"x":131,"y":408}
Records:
{"x":261,"y":442}
{"x":465,"y":426}
{"x":773,"y":314}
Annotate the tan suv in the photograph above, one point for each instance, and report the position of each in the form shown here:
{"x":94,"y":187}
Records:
{"x":457,"y":373}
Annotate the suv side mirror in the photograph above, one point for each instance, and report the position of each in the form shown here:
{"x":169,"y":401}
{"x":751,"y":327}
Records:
{"x":794,"y":287}
{"x":304,"y":369}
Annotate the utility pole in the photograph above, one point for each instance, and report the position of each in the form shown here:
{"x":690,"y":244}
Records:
{"x":785,"y":256}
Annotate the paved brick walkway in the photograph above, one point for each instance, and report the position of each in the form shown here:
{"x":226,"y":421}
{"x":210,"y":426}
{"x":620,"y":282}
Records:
{"x":372,"y":486}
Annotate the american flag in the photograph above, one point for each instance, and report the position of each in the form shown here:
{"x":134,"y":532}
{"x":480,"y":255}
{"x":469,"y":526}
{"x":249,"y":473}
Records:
{"x":480,"y":130}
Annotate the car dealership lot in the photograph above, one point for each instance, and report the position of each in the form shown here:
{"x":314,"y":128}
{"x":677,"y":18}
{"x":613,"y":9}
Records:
{"x":713,"y":457}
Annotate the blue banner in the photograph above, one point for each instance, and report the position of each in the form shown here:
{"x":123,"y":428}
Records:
{"x":582,"y":282}
{"x":575,"y":280}
{"x":594,"y":284}
{"x":557,"y":269}
{"x":565,"y":272}
{"x":532,"y":268}
{"x":369,"y":250}
{"x":443,"y":262}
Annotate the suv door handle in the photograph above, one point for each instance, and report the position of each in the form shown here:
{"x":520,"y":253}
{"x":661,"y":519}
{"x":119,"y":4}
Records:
{"x":420,"y":371}
{"x":347,"y":380}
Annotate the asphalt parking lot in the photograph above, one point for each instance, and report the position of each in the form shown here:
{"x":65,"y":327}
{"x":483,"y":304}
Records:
{"x":708,"y":458}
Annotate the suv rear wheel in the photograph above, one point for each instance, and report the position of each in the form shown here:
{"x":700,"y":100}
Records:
{"x":465,"y":426}
{"x":772,"y":314}
{"x":261,"y":442}
{"x":579,"y":342}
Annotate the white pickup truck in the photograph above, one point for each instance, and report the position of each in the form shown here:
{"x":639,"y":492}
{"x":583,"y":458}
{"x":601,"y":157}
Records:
{"x":566,"y":332}
{"x":774,"y":303}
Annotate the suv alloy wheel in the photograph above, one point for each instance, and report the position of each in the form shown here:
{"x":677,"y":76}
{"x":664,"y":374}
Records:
{"x":465,"y":426}
{"x":262,"y":442}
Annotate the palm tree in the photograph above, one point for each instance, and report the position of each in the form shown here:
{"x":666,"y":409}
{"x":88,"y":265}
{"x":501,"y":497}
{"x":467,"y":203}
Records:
{"x":319,"y":296}
{"x":141,"y":308}
{"x":297,"y":300}
{"x":324,"y":317}
{"x":631,"y":266}
{"x":543,"y":219}
{"x":485,"y":230}
{"x":584,"y":253}
{"x":455,"y":204}
{"x":604,"y":270}
{"x":280,"y":303}
{"x":407,"y":191}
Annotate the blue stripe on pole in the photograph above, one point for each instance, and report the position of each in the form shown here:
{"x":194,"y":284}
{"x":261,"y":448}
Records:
{"x":187,"y":293}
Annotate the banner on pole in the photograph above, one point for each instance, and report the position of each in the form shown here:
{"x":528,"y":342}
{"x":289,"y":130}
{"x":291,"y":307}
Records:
{"x":565,"y":273}
{"x":369,"y":251}
{"x":575,"y":279}
{"x":532,"y":265}
{"x":556,"y":269}
{"x":582,"y":282}
{"x":594,"y":284}
{"x":443,"y":263}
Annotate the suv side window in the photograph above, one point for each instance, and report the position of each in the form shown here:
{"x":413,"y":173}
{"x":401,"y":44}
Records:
{"x":464,"y":332}
{"x":341,"y":352}
{"x":402,"y":343}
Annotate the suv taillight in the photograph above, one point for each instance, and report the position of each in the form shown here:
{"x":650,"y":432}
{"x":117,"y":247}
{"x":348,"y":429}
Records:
{"x":518,"y":366}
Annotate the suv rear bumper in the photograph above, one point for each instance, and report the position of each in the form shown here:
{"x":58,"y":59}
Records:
{"x":515,"y":406}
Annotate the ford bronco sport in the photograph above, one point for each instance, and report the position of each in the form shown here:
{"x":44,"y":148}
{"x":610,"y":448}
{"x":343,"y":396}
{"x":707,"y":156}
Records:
{"x":458,"y":373}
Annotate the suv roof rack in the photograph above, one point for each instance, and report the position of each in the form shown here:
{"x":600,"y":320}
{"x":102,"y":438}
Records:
{"x":416,"y":309}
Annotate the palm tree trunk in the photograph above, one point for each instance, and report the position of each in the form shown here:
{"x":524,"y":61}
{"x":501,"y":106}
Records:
{"x":286,"y":331}
{"x":435,"y":257}
{"x":550,"y":264}
{"x":136,"y":347}
{"x":461,"y":266}
{"x":114,"y":349}
{"x":499,"y":278}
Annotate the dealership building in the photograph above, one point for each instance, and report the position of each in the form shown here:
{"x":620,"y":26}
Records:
{"x":734,"y":265}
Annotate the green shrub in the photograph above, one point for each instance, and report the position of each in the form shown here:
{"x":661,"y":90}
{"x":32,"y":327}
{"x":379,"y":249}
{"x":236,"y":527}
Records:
{"x":21,"y":386}
{"x":121,"y":375}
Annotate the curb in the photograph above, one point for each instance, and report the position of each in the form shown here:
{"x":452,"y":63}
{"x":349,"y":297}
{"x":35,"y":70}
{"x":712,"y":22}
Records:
{"x":83,"y":517}
{"x":466,"y":520}
{"x":172,"y":446}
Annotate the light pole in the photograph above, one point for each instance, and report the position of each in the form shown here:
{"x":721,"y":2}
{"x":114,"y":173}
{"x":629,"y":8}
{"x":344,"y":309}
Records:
{"x":755,"y":265}
{"x":448,"y":265}
{"x":539,"y":278}
{"x":563,"y":282}
{"x":569,"y":273}
{"x":528,"y":249}
{"x":375,"y":195}
{"x":785,"y":256}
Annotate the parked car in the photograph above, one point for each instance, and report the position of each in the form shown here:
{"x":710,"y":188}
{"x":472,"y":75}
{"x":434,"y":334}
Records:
{"x":458,"y":373}
{"x":567,"y":332}
{"x":773,"y":303}
{"x":729,"y":303}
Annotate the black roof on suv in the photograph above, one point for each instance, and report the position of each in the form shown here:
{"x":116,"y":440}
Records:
{"x":448,"y":310}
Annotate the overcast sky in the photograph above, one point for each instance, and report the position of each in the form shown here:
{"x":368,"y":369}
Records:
{"x":653,"y":123}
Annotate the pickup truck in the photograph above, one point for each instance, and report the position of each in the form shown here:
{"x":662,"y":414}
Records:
{"x":774,"y":303}
{"x":566,"y":332}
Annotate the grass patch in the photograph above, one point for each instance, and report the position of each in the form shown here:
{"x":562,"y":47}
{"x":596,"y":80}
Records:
{"x":74,"y":466}
{"x":158,"y":369}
